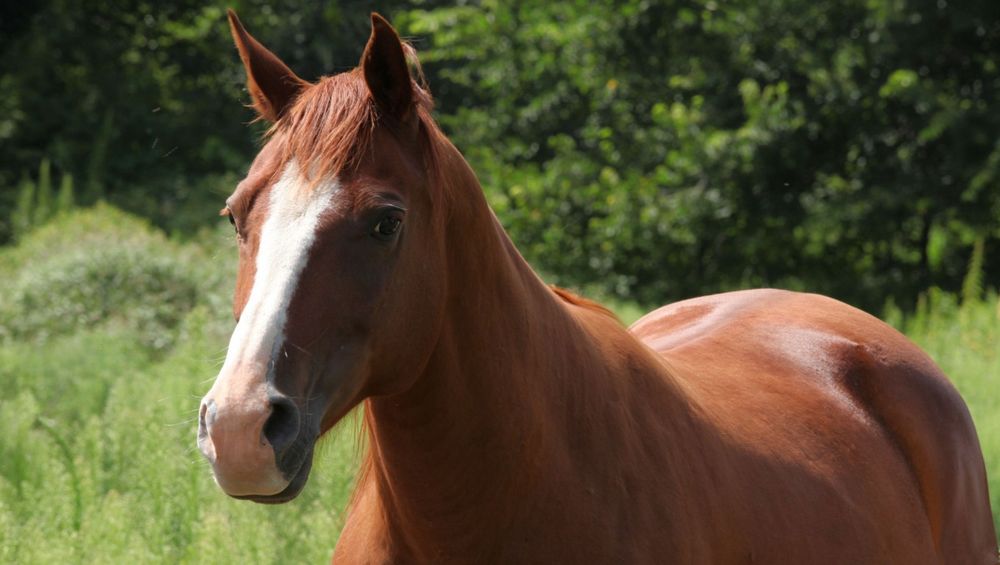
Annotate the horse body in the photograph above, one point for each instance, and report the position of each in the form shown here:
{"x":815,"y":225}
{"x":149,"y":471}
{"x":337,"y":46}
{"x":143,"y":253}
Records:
{"x":511,"y":422}
{"x":755,"y":426}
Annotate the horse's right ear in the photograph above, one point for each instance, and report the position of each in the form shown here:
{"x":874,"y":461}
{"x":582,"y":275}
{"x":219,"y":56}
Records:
{"x":272,"y":85}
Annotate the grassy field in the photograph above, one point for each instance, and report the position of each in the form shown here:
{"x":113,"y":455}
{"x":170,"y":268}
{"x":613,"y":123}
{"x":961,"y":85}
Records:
{"x":110,"y":334}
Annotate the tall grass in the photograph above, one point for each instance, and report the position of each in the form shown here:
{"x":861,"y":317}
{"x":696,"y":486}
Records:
{"x":102,"y":364}
{"x":100,"y":396}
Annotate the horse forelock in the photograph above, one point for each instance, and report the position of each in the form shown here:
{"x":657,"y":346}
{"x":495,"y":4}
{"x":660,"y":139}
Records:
{"x":330,"y":126}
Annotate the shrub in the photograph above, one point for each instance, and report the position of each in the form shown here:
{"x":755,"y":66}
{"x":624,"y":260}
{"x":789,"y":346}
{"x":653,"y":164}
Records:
{"x":99,"y":266}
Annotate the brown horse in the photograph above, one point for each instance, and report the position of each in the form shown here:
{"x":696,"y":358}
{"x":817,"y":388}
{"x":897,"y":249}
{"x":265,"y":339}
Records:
{"x":511,"y":422}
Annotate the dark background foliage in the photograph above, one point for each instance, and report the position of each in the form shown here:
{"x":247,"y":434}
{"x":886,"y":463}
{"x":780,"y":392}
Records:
{"x":649,"y":149}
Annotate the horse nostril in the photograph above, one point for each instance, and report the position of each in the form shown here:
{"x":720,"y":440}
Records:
{"x":282,"y":426}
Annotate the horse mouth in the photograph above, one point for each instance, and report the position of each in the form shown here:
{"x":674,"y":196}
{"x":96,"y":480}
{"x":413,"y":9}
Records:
{"x":293,"y":489}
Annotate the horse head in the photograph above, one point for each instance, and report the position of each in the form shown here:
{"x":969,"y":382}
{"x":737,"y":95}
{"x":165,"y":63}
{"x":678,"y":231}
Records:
{"x":339,"y":254}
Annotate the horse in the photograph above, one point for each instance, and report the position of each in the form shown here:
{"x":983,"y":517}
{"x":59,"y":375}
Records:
{"x":508,"y":421}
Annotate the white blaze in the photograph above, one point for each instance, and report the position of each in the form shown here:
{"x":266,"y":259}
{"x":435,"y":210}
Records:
{"x":286,"y":238}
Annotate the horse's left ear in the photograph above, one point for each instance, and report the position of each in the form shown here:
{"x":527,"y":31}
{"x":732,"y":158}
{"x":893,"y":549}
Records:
{"x":386,"y":72}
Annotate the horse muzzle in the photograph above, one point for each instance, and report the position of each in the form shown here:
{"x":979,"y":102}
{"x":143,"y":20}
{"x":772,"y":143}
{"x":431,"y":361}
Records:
{"x":255,"y":443}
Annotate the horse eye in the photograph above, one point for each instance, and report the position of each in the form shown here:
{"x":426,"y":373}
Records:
{"x":387,"y":227}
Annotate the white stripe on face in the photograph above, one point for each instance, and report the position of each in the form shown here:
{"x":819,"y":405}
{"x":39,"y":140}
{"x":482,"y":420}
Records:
{"x":285,"y":241}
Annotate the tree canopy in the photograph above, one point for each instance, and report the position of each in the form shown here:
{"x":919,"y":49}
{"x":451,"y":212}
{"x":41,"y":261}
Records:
{"x":649,"y":149}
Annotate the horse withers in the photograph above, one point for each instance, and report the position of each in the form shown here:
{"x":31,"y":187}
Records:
{"x":511,"y":422}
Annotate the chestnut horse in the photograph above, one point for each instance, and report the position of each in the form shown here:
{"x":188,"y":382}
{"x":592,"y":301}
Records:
{"x":511,"y":422}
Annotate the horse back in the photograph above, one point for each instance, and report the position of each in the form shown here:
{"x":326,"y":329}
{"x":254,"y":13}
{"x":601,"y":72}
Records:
{"x":823,"y":404}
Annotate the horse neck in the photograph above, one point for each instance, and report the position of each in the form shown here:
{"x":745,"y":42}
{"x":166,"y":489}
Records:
{"x":504,"y":396}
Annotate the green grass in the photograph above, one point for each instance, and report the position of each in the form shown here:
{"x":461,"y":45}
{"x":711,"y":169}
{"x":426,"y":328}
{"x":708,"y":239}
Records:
{"x":106,"y":472}
{"x":97,"y":453}
{"x":101,"y":388}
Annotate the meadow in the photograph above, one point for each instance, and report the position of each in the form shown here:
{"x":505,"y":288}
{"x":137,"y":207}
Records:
{"x":110,"y":332}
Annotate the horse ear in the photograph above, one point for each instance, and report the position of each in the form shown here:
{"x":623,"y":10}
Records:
{"x":385,"y":70}
{"x":272,"y":85}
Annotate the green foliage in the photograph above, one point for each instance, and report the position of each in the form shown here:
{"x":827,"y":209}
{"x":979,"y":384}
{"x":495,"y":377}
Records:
{"x":145,"y":101}
{"x":36,"y":203}
{"x":659,"y":149}
{"x":93,"y":267}
{"x":667,"y":149}
{"x":972,"y":286}
{"x":118,"y":481}
{"x":97,"y":458}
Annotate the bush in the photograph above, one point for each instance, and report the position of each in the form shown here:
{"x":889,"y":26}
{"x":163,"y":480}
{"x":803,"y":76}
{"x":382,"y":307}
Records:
{"x":99,"y":266}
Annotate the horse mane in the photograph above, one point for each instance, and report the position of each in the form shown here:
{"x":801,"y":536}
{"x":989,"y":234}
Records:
{"x":577,"y":300}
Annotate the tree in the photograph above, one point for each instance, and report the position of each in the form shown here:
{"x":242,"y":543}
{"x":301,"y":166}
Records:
{"x":142,"y":101}
{"x":670,"y":148}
